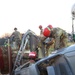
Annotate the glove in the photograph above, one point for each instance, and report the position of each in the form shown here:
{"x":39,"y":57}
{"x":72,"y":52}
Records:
{"x":45,"y":43}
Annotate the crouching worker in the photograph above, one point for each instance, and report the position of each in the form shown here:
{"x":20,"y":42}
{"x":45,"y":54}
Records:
{"x":46,"y":42}
{"x":58,"y":34}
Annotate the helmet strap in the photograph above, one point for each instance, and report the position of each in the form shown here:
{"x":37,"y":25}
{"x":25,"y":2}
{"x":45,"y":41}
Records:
{"x":49,"y":29}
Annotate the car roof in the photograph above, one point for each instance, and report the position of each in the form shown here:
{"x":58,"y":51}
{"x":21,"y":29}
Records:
{"x":66,"y":50}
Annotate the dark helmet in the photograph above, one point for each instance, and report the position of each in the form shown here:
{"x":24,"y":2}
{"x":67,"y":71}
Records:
{"x":15,"y":28}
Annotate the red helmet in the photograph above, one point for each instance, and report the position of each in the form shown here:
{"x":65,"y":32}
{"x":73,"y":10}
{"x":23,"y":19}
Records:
{"x":50,"y":26}
{"x":40,"y":26}
{"x":46,"y":32}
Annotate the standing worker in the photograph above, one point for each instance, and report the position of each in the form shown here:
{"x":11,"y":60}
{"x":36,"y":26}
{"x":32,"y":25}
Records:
{"x":16,"y":36}
{"x":42,"y":37}
{"x":41,"y":30}
{"x":59,"y":35}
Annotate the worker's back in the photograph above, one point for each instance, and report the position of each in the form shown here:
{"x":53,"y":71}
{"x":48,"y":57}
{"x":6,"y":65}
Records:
{"x":60,"y":36}
{"x":17,"y":35}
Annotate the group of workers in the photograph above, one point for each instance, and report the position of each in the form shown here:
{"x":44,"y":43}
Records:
{"x":57,"y":37}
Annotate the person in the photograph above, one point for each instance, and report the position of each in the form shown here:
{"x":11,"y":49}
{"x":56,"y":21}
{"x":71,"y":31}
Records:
{"x":44,"y":40}
{"x":6,"y":43}
{"x":16,"y":36}
{"x":42,"y":37}
{"x":41,"y":29}
{"x":58,"y":34}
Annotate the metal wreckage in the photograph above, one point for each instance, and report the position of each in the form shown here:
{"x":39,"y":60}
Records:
{"x":12,"y":56}
{"x":28,"y":61}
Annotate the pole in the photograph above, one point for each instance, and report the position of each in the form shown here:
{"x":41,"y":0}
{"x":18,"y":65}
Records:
{"x":72,"y":26}
{"x":9,"y":58}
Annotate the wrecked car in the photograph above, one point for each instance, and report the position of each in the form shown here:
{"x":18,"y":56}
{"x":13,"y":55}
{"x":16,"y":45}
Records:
{"x":59,"y":62}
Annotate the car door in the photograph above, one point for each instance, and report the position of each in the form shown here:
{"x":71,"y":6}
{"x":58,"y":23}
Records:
{"x":70,"y":56}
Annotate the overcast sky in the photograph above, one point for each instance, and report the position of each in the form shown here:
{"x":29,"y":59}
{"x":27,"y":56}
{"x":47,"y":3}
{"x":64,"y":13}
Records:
{"x":29,"y":14}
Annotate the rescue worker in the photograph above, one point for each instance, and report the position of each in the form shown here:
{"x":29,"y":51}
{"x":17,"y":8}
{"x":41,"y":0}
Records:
{"x":6,"y":43}
{"x":58,"y":34}
{"x":41,"y":30}
{"x":48,"y":47}
{"x":42,"y":37}
{"x":16,"y":36}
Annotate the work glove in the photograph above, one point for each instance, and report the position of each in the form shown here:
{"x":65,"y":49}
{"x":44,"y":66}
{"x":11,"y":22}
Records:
{"x":44,"y":43}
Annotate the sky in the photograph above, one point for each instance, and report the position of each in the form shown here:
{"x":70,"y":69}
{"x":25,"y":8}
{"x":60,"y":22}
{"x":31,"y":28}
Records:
{"x":29,"y":14}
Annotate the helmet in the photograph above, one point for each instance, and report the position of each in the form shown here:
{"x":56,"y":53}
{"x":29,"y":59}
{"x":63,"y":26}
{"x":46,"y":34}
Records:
{"x":46,"y":32}
{"x":40,"y":26}
{"x":50,"y":26}
{"x":15,"y":28}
